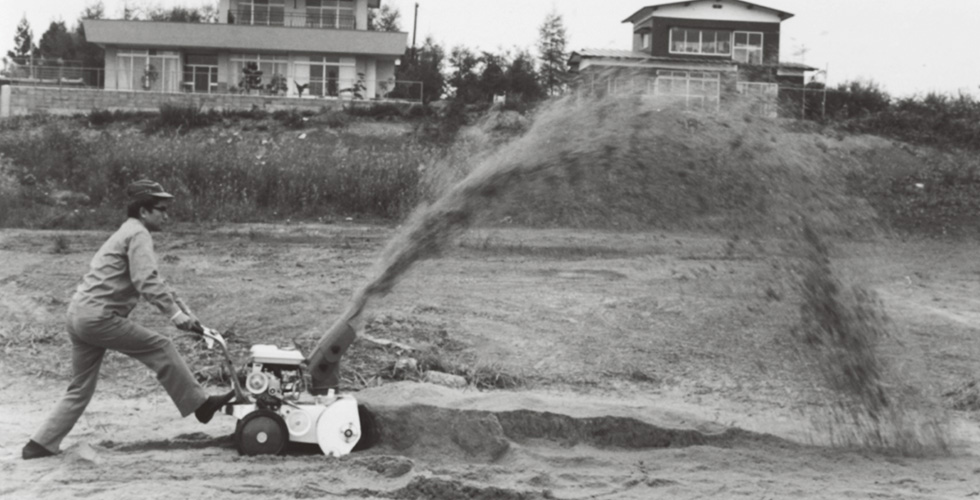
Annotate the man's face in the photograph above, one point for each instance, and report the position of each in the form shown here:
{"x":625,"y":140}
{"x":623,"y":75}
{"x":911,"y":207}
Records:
{"x":155,"y":218}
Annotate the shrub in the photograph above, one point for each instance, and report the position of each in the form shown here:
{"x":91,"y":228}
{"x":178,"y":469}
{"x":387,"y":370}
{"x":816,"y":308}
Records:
{"x":181,"y":116}
{"x":856,"y":99}
{"x":375,"y":110}
{"x":100,"y":117}
{"x":335,"y":119}
{"x":291,"y":119}
{"x":253,"y":113}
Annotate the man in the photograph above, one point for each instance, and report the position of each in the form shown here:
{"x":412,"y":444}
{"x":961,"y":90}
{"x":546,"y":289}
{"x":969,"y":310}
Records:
{"x":121,"y":272}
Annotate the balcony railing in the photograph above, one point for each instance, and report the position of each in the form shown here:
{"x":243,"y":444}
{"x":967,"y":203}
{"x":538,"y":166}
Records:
{"x":272,"y":16}
{"x":37,"y":75}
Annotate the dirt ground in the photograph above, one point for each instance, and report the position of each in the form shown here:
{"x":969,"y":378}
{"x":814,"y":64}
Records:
{"x":633,"y":366}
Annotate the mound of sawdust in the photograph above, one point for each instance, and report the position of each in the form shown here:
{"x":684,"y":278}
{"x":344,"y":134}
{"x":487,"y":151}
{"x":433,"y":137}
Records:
{"x":422,"y":420}
{"x":966,"y":397}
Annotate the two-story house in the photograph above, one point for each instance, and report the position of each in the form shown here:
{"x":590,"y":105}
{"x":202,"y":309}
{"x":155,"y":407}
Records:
{"x":698,"y":52}
{"x":302,"y":48}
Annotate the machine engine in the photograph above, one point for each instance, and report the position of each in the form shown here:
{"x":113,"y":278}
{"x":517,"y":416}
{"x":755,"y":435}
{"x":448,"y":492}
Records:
{"x":273,"y":375}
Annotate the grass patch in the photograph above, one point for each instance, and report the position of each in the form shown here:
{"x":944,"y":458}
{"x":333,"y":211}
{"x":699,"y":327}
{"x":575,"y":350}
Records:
{"x":217,"y":175}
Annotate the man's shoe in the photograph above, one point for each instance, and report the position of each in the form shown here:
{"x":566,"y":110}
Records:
{"x":212,"y":405}
{"x":34,"y":450}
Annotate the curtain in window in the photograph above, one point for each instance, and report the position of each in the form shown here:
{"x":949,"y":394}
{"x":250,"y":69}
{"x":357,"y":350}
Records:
{"x":124,"y":73}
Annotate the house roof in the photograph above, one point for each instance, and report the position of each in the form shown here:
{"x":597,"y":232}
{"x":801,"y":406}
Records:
{"x":646,"y":11}
{"x":167,"y":35}
{"x":610,"y":53}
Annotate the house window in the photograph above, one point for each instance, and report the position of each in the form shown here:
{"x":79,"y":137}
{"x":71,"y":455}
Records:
{"x":692,"y":89}
{"x":698,"y":41}
{"x":200,"y":73}
{"x":326,"y":76}
{"x":645,"y":37}
{"x":262,"y":12}
{"x":258,"y":71}
{"x":151,"y":70}
{"x":338,"y":14}
{"x":748,"y":47}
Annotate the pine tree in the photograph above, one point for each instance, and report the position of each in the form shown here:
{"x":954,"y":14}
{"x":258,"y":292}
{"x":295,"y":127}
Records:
{"x":551,"y":51}
{"x":57,"y":44}
{"x":23,"y":43}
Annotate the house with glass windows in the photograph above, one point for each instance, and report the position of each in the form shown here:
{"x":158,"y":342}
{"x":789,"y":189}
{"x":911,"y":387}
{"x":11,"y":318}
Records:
{"x":297,"y":48}
{"x":698,"y":52}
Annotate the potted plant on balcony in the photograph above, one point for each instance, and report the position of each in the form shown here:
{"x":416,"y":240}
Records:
{"x":251,"y":81}
{"x":150,"y":76}
{"x":277,"y":84}
{"x":356,"y":91}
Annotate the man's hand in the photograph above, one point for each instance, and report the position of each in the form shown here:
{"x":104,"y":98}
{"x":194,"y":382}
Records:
{"x":183,"y":321}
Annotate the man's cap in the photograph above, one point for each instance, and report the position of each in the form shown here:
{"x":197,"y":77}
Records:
{"x":146,"y":188}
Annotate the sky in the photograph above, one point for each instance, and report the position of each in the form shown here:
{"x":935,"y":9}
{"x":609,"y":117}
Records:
{"x":908,"y":47}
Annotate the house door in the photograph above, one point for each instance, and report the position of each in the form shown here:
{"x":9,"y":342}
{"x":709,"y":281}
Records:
{"x":200,"y":73}
{"x":324,"y":80}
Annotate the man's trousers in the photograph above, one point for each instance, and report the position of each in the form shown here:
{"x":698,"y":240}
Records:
{"x":92,"y":332}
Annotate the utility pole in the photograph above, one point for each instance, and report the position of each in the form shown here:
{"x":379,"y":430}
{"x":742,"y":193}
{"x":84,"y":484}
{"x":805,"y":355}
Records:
{"x":802,"y":52}
{"x":823,"y":111}
{"x":415,"y":28}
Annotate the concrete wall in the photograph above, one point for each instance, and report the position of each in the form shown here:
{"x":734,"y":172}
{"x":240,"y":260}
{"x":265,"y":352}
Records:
{"x":54,"y":100}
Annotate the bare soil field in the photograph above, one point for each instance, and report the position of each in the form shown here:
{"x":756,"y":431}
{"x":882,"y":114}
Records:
{"x":599,"y":365}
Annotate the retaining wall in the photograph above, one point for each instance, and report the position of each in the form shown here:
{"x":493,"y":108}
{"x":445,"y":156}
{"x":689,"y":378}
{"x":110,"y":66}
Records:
{"x":66,"y":100}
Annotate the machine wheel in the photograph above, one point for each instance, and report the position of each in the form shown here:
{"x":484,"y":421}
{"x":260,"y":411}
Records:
{"x":261,"y":432}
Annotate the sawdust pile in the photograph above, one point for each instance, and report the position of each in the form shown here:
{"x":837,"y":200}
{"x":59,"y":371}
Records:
{"x":623,"y":164}
{"x":619,"y":163}
{"x":866,"y":402}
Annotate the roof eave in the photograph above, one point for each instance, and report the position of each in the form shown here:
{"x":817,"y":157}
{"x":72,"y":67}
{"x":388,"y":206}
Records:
{"x":783,"y":15}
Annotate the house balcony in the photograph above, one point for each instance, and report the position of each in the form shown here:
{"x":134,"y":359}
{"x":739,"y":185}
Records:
{"x":239,"y":37}
{"x":276,"y":17}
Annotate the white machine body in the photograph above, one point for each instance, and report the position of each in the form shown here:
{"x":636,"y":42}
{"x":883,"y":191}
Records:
{"x":275,"y":382}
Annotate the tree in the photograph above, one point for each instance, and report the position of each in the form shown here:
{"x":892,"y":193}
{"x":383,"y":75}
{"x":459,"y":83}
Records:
{"x":426,"y":67}
{"x":23,"y":43}
{"x":57,"y":43}
{"x":384,"y":19}
{"x":129,"y":12}
{"x":90,"y":54}
{"x":551,"y":51}
{"x":493,"y":79}
{"x":205,"y":14}
{"x":522,"y":79}
{"x":463,"y":79}
{"x":93,"y":11}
